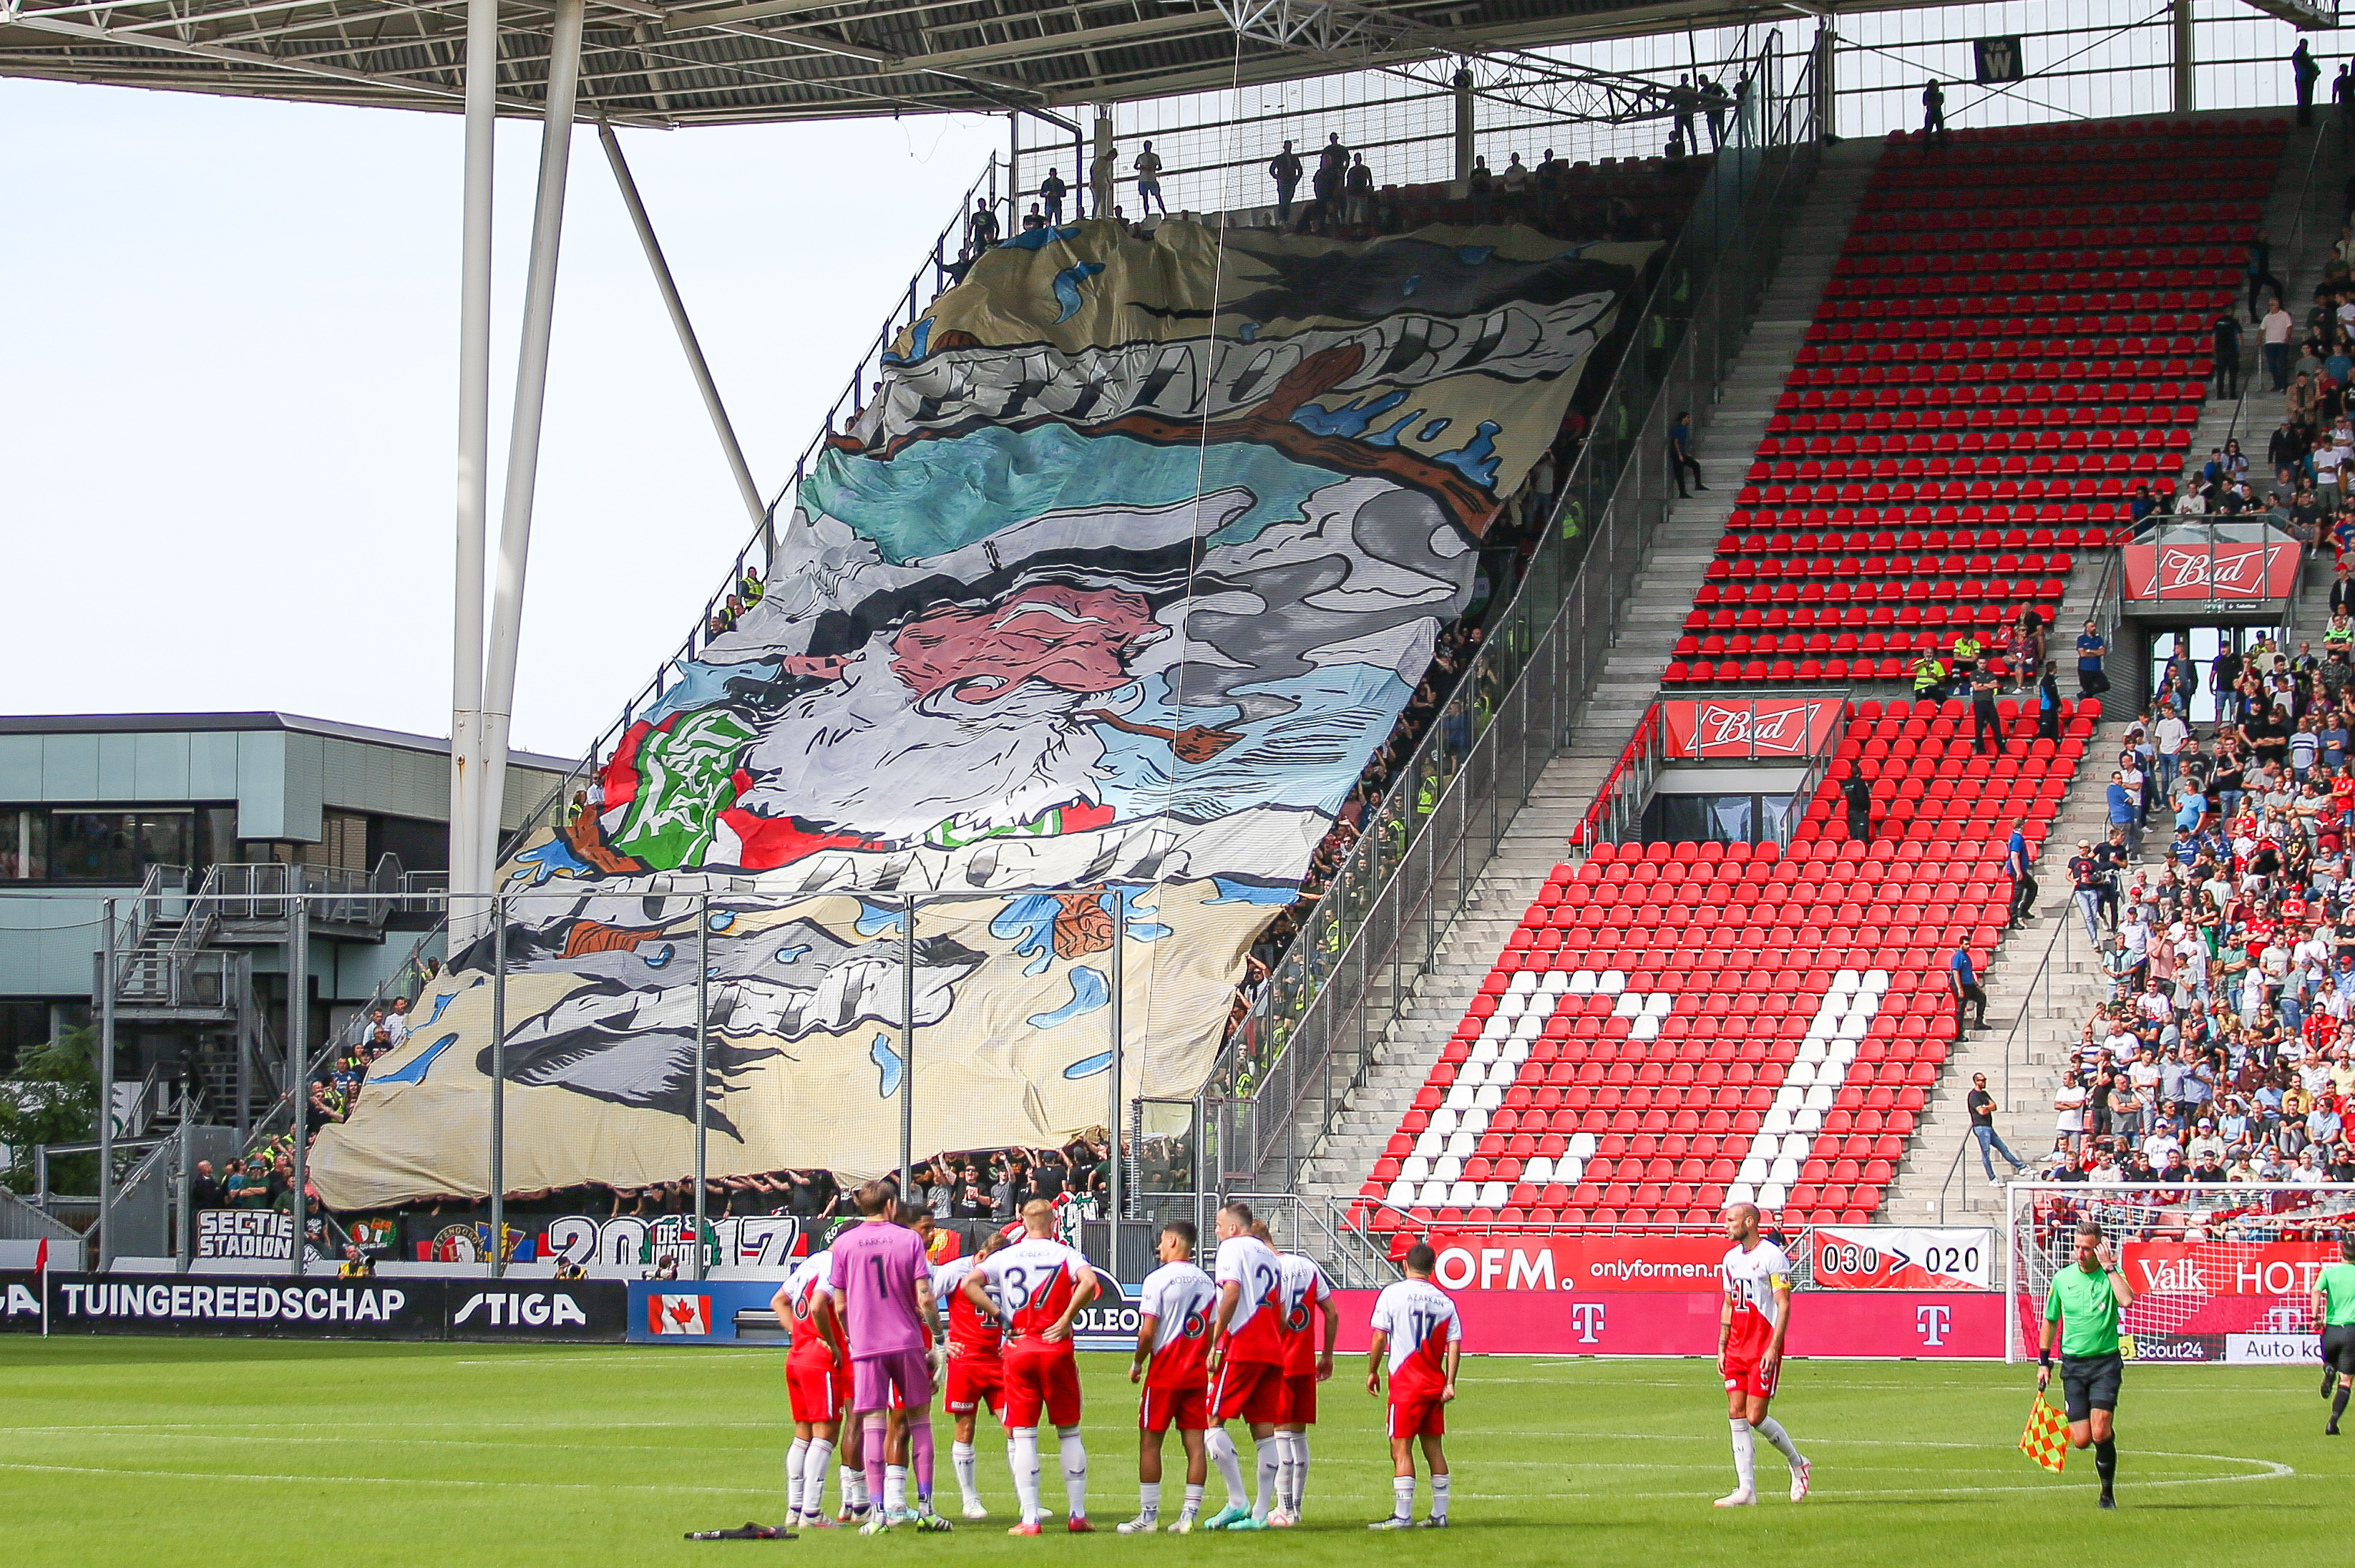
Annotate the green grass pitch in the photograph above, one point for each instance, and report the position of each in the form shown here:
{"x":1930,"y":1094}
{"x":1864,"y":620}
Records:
{"x":189,"y":1453}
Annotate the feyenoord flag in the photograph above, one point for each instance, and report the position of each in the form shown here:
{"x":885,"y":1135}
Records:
{"x":2045,"y":1439}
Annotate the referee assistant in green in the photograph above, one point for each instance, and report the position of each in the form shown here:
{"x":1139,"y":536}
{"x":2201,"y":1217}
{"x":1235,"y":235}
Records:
{"x":2334,"y":1308}
{"x":2085,"y":1303}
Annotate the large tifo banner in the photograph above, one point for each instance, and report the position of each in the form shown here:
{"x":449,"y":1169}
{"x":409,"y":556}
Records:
{"x":1115,"y":588}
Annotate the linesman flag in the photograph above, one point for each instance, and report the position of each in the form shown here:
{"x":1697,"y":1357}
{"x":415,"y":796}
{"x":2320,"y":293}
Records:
{"x":2045,"y":1439}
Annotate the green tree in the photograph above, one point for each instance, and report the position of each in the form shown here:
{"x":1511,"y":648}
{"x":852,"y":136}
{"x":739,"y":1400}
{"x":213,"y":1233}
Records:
{"x":52,"y":1098}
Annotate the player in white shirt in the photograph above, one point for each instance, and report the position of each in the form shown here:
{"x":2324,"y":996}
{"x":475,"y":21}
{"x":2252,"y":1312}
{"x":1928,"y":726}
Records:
{"x":1418,"y":1332}
{"x":1246,"y":1365}
{"x":1751,"y":1328}
{"x":1307,"y":1291}
{"x":1172,"y":1361}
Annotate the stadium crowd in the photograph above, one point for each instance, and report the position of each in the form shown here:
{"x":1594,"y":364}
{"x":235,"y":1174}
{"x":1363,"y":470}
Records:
{"x":2225,"y":1049}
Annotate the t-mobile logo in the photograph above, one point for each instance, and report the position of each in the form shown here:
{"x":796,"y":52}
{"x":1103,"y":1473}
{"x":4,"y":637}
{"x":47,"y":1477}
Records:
{"x":1586,"y":1317}
{"x":1930,"y":1323}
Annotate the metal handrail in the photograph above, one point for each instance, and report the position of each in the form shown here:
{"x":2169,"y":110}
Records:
{"x":1430,"y":785}
{"x":2064,"y":938}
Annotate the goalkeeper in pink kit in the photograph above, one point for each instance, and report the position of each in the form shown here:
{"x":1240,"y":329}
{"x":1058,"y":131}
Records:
{"x":883,"y":1290}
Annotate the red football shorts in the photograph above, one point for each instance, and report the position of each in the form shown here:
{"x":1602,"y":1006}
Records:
{"x":1418,"y":1418}
{"x":816,"y":1389}
{"x":1300,"y":1398}
{"x":1249,"y":1390}
{"x":1751,"y":1374}
{"x":1186,"y":1408}
{"x":975,"y":1380}
{"x":1040,"y":1376}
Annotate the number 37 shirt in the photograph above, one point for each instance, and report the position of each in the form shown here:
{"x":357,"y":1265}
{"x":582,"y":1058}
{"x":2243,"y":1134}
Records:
{"x":1421,"y":1322}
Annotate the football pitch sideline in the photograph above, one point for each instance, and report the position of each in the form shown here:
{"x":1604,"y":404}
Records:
{"x":189,"y":1453}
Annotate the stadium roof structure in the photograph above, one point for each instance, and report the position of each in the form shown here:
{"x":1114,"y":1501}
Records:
{"x":737,"y":61}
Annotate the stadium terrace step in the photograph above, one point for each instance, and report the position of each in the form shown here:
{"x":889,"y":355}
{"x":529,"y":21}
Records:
{"x":2077,"y":986}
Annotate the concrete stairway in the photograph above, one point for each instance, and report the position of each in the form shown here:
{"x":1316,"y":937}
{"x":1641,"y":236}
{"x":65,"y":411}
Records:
{"x":1534,"y":844}
{"x":2251,"y":417}
{"x":2058,"y":998}
{"x":1653,"y":617}
{"x":1648,"y":624}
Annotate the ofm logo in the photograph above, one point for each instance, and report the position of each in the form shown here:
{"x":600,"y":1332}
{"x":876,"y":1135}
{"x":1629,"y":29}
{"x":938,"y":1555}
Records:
{"x":508,"y":1309}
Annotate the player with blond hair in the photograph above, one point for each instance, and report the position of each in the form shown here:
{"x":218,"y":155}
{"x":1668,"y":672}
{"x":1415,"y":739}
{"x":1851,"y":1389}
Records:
{"x":1751,"y":1327}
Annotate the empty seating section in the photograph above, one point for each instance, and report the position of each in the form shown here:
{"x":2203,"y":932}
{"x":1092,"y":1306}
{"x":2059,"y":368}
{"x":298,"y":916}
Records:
{"x":1675,"y":1026}
{"x":2015,"y":332}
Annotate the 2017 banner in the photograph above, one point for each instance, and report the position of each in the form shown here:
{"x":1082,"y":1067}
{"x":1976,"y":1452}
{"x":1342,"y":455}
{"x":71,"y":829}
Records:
{"x":626,"y":1240}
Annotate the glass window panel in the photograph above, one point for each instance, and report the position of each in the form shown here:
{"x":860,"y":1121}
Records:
{"x":116,"y":846}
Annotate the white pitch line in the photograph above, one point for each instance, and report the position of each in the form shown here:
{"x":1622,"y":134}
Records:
{"x":384,"y":1480}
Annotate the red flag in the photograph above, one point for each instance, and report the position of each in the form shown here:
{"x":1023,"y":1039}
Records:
{"x":41,"y":1257}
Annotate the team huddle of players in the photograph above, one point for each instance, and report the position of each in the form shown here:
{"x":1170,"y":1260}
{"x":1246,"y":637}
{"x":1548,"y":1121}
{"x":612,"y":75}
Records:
{"x":1237,"y":1343}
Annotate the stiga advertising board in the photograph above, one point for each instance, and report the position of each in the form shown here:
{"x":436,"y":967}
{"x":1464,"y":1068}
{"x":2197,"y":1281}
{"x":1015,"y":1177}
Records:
{"x":314,"y":1308}
{"x":20,"y":1302}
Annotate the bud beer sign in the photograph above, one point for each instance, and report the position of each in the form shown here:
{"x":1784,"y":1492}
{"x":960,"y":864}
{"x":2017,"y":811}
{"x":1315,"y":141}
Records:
{"x":1774,"y":727}
{"x":2231,"y":571}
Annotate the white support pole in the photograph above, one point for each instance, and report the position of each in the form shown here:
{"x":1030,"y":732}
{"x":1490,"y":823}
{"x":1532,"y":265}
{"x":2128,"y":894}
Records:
{"x":1466,"y":125}
{"x":668,"y":286}
{"x":2185,"y":97}
{"x":523,"y":438}
{"x":473,"y":456}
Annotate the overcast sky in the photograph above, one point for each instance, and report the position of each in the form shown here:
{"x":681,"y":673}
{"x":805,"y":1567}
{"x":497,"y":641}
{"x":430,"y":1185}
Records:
{"x":229,"y":390}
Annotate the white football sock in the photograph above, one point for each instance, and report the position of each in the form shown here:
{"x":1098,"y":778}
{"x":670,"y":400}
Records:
{"x":853,"y":1477}
{"x":966,"y":1463}
{"x":794,"y":1454}
{"x":1024,"y":1449}
{"x":1284,"y":1469}
{"x":895,"y":1488}
{"x":1401,"y":1497}
{"x":1263,"y":1452}
{"x":1299,"y":1470}
{"x":1439,"y":1497}
{"x":1193,"y":1501}
{"x":1148,"y":1500}
{"x":814,"y":1468}
{"x":1230,"y":1467}
{"x":1746,"y":1457}
{"x":1075,"y":1470}
{"x":1771,"y":1430}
